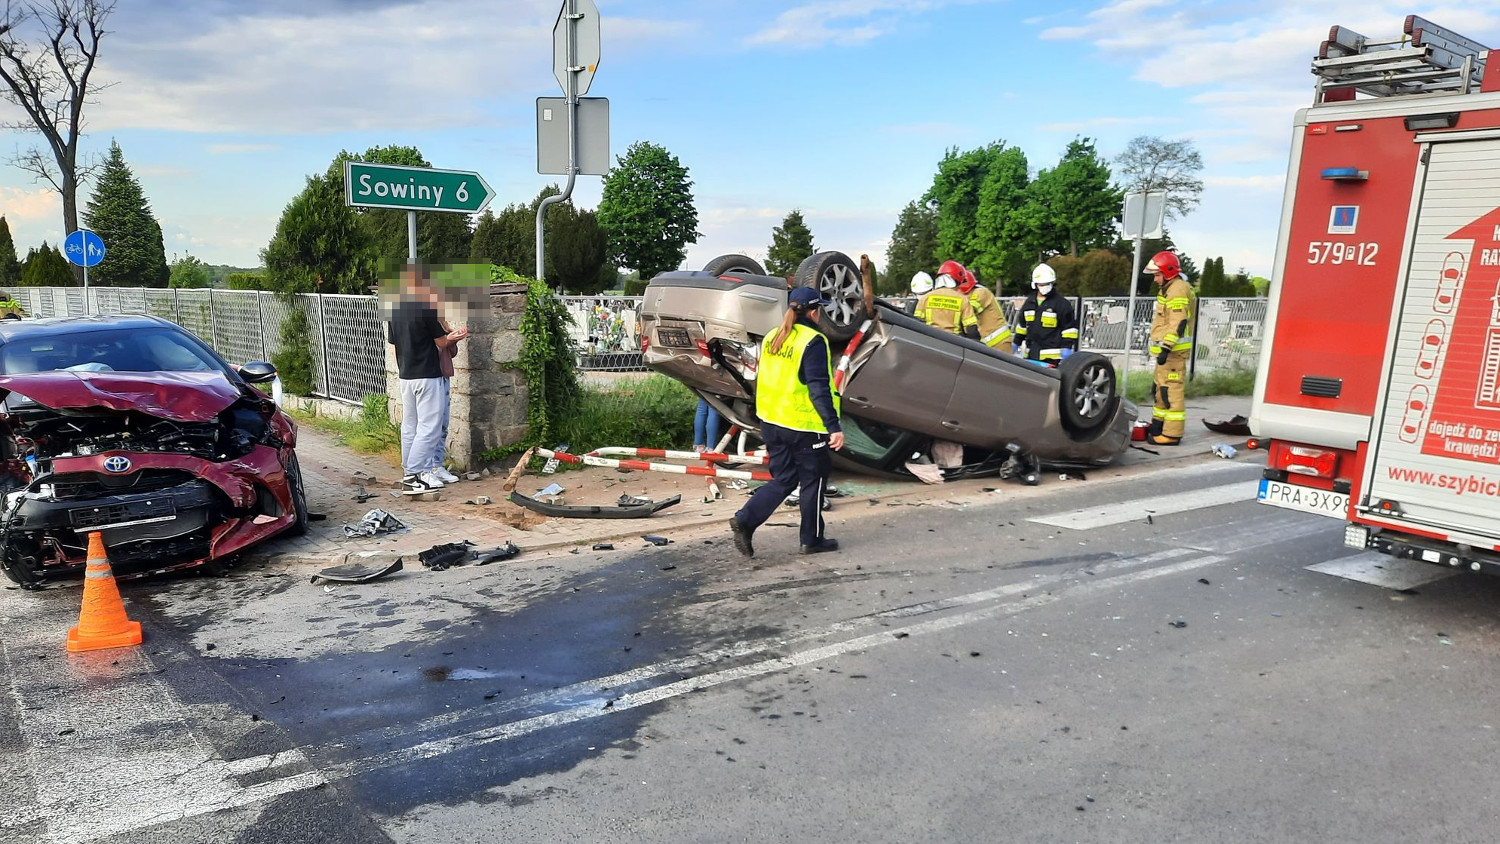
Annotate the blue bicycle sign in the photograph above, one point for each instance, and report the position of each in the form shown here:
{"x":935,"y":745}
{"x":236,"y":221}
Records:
{"x":83,"y":248}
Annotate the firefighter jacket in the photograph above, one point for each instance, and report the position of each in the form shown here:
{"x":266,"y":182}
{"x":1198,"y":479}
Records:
{"x":784,"y":394}
{"x":994,"y":329}
{"x":1172,"y":325}
{"x":948,"y":309}
{"x":1047,"y":326}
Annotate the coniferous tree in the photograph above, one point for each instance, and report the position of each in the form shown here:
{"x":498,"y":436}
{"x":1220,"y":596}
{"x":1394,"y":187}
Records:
{"x":913,"y":249}
{"x":120,"y":214}
{"x":46,"y":267}
{"x":791,"y":242}
{"x":10,"y":268}
{"x":320,"y":245}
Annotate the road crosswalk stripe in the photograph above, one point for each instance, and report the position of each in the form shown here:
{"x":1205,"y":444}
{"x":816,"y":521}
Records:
{"x":1088,"y":518}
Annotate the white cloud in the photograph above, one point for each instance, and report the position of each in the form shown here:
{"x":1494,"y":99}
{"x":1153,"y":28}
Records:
{"x":19,"y":204}
{"x":409,"y":66}
{"x":842,"y":22}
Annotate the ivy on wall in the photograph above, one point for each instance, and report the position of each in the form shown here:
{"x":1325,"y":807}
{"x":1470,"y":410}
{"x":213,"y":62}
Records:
{"x":548,"y":362}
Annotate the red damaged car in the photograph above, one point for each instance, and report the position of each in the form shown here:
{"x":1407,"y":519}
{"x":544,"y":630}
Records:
{"x":133,"y":427}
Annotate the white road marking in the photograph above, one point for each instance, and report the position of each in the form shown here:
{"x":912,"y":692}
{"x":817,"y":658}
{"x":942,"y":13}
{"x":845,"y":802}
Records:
{"x":1268,"y":528}
{"x":596,"y":709}
{"x":98,"y":725}
{"x":1382,"y":570}
{"x":1088,"y":518}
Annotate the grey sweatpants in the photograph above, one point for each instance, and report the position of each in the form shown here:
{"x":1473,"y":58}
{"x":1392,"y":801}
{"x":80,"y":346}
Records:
{"x":421,"y":422}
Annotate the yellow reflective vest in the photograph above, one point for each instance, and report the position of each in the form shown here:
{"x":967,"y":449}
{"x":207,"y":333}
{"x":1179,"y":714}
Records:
{"x":780,"y":396}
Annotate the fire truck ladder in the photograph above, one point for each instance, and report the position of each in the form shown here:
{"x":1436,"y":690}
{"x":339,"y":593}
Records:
{"x":1426,"y":59}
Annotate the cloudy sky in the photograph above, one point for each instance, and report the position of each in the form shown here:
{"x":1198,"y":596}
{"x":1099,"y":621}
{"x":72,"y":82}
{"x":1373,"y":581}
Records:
{"x":841,"y":108}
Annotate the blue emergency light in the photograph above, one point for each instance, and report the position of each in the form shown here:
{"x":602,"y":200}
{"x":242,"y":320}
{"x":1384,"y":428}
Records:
{"x":1345,"y":174}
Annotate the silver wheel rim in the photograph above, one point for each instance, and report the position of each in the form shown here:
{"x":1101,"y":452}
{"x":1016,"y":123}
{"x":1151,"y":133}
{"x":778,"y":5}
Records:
{"x":1095,"y":387}
{"x":844,"y":290}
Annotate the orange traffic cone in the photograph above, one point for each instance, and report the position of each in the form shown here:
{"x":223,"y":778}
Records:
{"x":102,"y":623}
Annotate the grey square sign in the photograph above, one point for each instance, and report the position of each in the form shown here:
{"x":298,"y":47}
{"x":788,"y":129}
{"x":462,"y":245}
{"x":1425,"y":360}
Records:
{"x":552,"y":136}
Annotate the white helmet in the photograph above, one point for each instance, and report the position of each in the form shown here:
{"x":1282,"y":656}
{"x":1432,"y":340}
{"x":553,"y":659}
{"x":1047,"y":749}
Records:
{"x":946,"y":281}
{"x":1043,"y":274}
{"x":921,"y":283}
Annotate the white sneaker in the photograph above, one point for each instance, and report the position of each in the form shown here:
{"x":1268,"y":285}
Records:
{"x":432,"y":481}
{"x":444,"y":475}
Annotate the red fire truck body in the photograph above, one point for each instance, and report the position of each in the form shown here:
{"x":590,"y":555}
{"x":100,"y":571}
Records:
{"x":1378,"y":392}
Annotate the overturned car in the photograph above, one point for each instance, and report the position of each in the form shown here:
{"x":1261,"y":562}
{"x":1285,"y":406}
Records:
{"x":133,"y":427}
{"x":912,"y":394}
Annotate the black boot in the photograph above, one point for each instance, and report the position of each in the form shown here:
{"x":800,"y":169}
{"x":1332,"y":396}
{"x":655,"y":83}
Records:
{"x":824,"y":546}
{"x":742,"y":534}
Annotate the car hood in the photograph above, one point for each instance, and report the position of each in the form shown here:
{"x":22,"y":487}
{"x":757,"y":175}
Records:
{"x":178,"y":396}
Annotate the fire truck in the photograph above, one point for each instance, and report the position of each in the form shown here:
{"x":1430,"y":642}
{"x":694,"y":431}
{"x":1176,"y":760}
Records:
{"x":1378,"y":393}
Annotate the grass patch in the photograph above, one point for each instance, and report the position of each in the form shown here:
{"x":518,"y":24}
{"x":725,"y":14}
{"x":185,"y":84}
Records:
{"x":1226,"y":381}
{"x":652,"y":412}
{"x":369,"y":433}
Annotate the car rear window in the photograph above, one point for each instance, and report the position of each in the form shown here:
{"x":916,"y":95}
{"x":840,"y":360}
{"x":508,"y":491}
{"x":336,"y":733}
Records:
{"x":119,"y":350}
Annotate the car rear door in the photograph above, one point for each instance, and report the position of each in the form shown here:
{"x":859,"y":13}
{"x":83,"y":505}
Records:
{"x":906,"y":382}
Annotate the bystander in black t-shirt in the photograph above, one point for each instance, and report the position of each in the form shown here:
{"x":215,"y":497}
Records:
{"x":414,"y":327}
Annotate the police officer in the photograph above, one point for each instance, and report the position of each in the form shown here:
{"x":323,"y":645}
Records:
{"x":1171,"y":342}
{"x":799,"y":414}
{"x":1048,"y":326}
{"x":947,"y":309}
{"x":994,"y":330}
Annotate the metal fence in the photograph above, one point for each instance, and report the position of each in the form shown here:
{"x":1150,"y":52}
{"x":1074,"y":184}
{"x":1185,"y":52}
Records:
{"x":348,"y":338}
{"x":606,"y":329}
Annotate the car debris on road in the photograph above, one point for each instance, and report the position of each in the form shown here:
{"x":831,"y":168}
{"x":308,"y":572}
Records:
{"x":375,"y":523}
{"x":641,"y":510}
{"x":356,"y":572}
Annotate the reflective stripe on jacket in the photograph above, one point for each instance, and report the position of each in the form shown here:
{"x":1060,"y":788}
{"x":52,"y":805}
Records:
{"x":1172,"y":321}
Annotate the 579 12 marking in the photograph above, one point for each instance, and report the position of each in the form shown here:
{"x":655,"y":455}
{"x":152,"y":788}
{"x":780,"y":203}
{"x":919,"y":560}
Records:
{"x":1338,"y":252}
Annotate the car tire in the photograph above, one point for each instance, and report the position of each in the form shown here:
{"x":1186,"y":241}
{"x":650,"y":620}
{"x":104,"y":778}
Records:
{"x":299,"y":496}
{"x":1087,"y":397}
{"x":734,"y":264}
{"x":19,"y":573}
{"x":838,"y":280}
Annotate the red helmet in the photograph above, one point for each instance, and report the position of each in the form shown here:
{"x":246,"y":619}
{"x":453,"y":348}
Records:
{"x":962,"y":278}
{"x":1165,"y":263}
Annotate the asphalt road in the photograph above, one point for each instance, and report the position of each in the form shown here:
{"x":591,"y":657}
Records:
{"x":1033,"y":665}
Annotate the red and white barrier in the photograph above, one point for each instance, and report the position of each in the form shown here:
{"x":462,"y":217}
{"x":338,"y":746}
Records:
{"x":646,"y":466}
{"x":663,"y":454}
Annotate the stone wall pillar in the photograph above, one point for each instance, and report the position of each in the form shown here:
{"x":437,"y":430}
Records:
{"x":489,"y":397}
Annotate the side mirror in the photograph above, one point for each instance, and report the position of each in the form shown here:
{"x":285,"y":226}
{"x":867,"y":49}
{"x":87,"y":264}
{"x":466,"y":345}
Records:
{"x":258,"y":372}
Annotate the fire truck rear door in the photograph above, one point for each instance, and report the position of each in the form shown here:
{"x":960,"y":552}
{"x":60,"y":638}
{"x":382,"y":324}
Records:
{"x":1435,"y":456}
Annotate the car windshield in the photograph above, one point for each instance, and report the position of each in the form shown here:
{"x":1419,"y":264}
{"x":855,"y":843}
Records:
{"x":115,"y":350}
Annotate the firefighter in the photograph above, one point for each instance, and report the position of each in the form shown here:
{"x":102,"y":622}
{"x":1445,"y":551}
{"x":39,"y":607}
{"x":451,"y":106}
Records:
{"x":1048,"y":325}
{"x":994,"y":329}
{"x":1171,"y":341}
{"x":945,"y":308}
{"x":799,"y":411}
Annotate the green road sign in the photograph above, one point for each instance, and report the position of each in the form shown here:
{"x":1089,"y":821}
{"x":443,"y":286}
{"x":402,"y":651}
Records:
{"x":415,"y":188}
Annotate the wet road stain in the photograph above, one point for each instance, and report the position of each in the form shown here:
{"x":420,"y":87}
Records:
{"x":347,"y":707}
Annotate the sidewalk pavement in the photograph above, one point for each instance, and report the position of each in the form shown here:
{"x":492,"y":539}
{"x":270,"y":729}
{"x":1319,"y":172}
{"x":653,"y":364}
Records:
{"x":330,"y":475}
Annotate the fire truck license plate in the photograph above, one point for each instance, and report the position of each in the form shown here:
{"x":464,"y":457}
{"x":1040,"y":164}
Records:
{"x":1320,"y":501}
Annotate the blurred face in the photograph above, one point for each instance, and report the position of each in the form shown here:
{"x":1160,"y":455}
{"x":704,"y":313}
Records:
{"x":1158,"y":277}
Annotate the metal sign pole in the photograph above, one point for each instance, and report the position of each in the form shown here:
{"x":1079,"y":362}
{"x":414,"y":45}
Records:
{"x":573,"y":68}
{"x":411,"y":238}
{"x":1135,"y":279}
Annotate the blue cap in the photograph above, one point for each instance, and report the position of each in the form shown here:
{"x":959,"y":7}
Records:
{"x":805,"y":297}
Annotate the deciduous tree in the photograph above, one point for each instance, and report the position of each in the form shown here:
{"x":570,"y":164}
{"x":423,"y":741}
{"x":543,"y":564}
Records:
{"x":47,"y":53}
{"x":791,"y":242}
{"x":1082,"y":203}
{"x":189,"y":272}
{"x":647,"y":210}
{"x":121,"y":215}
{"x":1156,"y":164}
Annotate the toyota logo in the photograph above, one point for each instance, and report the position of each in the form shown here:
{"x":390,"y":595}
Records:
{"x":117,"y":464}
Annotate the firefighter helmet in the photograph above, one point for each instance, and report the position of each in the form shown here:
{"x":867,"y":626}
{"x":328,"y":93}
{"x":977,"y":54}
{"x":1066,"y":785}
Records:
{"x":1043,"y":274}
{"x":1165,"y":263}
{"x":921,"y":283}
{"x":952,"y":274}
